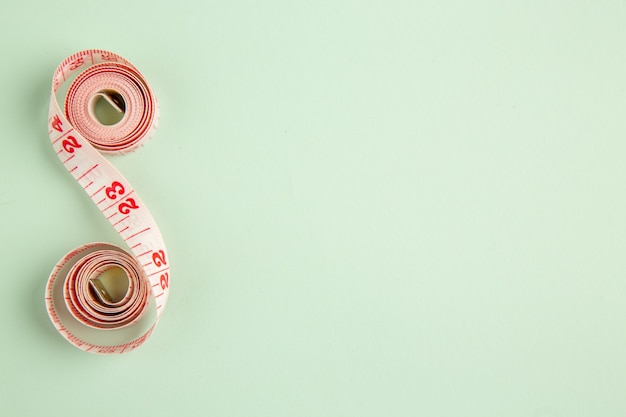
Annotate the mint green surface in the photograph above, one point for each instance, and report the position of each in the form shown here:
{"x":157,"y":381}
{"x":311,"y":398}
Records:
{"x":391,"y":208}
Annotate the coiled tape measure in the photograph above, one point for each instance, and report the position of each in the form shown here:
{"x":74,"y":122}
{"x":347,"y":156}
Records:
{"x":100,"y":297}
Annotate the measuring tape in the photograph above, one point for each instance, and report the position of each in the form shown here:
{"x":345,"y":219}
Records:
{"x":100,"y":297}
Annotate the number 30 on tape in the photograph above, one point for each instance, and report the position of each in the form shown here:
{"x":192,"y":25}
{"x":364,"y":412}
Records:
{"x":100,"y":297}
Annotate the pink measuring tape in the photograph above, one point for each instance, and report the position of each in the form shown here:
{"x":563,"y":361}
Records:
{"x":100,"y":297}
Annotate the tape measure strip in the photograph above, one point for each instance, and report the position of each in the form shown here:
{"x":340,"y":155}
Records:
{"x":77,"y":301}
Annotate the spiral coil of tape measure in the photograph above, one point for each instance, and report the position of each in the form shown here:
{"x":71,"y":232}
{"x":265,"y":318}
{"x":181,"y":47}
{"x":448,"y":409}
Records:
{"x":101,"y":297}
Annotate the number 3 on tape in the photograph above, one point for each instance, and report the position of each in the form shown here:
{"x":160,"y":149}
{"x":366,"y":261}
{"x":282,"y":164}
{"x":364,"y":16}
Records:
{"x":100,"y":297}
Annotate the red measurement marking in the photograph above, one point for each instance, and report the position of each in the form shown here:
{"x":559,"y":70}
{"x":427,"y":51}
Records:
{"x":108,"y":56}
{"x":97,"y":191}
{"x":111,"y":215}
{"x":115,"y":189}
{"x":124,"y":229}
{"x":71,"y":156}
{"x":120,"y":197}
{"x":70,"y":144}
{"x":98,"y":203}
{"x":157,"y":284}
{"x":158,"y":272}
{"x":145,"y":253}
{"x":159,"y":295}
{"x":128,"y":205}
{"x":74,"y":169}
{"x":56,"y":123}
{"x":61,"y":137}
{"x":77,"y":63}
{"x":121,"y":220}
{"x":144,"y":265}
{"x":139,"y":232}
{"x":159,"y":258}
{"x":87,"y":186}
{"x":159,"y":306}
{"x":137,"y":245}
{"x":87,"y":172}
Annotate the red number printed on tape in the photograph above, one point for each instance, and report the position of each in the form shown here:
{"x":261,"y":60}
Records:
{"x":70,"y":144}
{"x":79,"y":304}
{"x":56,"y":123}
{"x":165,"y":281}
{"x":107,"y":56}
{"x":127,"y":206}
{"x":77,"y":63}
{"x":159,"y":258}
{"x":114,"y":190}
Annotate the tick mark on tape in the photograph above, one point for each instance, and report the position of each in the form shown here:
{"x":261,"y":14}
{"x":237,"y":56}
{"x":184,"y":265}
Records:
{"x":87,"y":172}
{"x":139,"y":232}
{"x":62,"y":136}
{"x":120,"y":220}
{"x":159,"y":272}
{"x":96,"y":192}
{"x":117,"y":200}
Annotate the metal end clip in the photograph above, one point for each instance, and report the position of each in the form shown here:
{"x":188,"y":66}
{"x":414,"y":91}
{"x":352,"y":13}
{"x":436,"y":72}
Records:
{"x":101,"y":292}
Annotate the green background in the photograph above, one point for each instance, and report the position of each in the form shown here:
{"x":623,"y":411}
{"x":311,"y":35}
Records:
{"x":372,"y":208}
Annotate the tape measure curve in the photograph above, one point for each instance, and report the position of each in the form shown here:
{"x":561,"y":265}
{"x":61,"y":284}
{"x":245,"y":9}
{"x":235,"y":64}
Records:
{"x":76,"y":299}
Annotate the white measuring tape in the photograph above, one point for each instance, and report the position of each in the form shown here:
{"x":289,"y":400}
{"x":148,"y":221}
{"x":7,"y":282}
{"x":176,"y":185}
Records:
{"x":100,"y":297}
